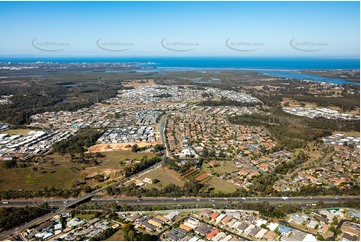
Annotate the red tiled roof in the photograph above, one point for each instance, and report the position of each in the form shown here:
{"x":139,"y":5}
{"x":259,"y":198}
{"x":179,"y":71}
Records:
{"x":214,"y":216}
{"x":212,"y":234}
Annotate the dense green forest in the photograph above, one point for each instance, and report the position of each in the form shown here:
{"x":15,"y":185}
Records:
{"x":347,"y":102}
{"x":31,"y":99}
{"x":79,"y":143}
{"x":46,"y":192}
{"x":11,"y":217}
{"x":227,"y":102}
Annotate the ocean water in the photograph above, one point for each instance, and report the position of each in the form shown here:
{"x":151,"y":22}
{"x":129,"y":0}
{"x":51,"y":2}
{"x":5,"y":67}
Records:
{"x":301,"y":76}
{"x":288,"y":63}
{"x":280,"y":66}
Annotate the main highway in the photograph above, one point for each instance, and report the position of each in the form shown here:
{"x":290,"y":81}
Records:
{"x":220,"y":200}
{"x":182,"y":200}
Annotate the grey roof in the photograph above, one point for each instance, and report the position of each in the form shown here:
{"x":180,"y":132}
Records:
{"x":149,"y":226}
{"x":203,"y":229}
{"x":177,"y":233}
{"x":93,"y":221}
{"x":243,"y":226}
{"x":171,"y":236}
{"x":297,"y":235}
{"x":255,"y":231}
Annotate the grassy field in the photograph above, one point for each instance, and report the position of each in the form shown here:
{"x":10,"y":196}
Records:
{"x":350,"y":133}
{"x":165,"y":176}
{"x":117,"y":236}
{"x":221,"y":185}
{"x":314,"y":152}
{"x":17,"y":131}
{"x":110,"y":164}
{"x":87,"y":217}
{"x":59,"y":174}
{"x":220,"y":167}
{"x":112,"y":157}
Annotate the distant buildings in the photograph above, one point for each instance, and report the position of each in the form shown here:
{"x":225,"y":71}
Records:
{"x":342,"y":140}
{"x":5,"y":99}
{"x":32,"y":143}
{"x":162,"y":94}
{"x":128,"y":134}
{"x":4,"y":126}
{"x":319,"y":113}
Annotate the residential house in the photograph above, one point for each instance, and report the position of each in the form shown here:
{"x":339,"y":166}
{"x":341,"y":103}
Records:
{"x":214,"y":216}
{"x":220,"y":236}
{"x":312,"y":224}
{"x":203,"y":229}
{"x":261,"y":233}
{"x":273,"y":226}
{"x":270,"y":235}
{"x":211,"y":234}
{"x":284,"y":230}
{"x":349,"y":237}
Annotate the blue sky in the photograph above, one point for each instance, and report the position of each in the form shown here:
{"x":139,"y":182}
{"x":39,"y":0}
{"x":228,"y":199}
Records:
{"x":186,"y":28}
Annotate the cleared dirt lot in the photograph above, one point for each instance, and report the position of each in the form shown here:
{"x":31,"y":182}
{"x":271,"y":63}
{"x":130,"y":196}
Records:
{"x":122,"y":146}
{"x":139,"y":83}
{"x":17,"y":131}
{"x":201,"y":177}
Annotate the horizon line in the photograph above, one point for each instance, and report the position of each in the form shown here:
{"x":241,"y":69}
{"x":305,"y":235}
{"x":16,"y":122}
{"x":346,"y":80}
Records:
{"x":172,"y":56}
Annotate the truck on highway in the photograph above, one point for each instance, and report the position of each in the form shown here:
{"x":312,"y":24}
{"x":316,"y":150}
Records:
{"x":284,"y":198}
{"x":5,"y":202}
